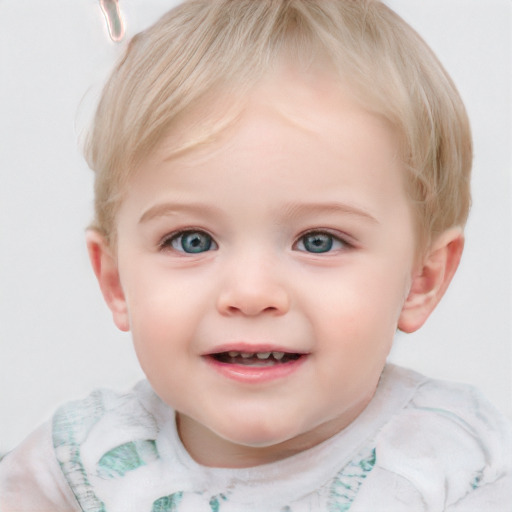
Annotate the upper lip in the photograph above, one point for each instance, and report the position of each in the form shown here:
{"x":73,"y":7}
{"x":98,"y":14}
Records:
{"x":253,"y":348}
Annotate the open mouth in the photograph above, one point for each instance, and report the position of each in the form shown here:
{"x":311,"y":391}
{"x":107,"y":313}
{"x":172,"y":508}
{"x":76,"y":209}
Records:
{"x":256,"y":358}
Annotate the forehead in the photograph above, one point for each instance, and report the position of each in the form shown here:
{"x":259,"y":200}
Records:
{"x":294,"y":137}
{"x":306,"y":103}
{"x":295,"y":89}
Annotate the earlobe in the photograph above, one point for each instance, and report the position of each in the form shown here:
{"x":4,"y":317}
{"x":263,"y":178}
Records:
{"x":432,"y":279}
{"x":106,"y":270}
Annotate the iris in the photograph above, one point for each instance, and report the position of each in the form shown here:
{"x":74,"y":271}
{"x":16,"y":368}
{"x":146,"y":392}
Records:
{"x":318,"y":242}
{"x":192,"y":242}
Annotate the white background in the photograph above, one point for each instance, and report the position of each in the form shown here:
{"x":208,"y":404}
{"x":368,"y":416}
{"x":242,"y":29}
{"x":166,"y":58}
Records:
{"x":57,"y":341}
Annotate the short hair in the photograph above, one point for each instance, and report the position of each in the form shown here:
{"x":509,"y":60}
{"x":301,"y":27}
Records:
{"x":204,"y":48}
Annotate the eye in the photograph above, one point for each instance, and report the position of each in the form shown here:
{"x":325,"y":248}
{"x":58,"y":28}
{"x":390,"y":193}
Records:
{"x":190,"y":242}
{"x":319,"y":242}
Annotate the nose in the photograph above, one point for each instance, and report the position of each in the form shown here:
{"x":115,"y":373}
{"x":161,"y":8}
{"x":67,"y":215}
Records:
{"x":251,"y":288}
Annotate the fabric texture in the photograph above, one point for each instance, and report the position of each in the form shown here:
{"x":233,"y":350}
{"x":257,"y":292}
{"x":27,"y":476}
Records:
{"x":420,"y":445}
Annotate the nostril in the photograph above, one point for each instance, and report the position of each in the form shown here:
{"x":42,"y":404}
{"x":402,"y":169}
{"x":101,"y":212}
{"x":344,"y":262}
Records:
{"x":251,"y":296}
{"x":253,"y":310}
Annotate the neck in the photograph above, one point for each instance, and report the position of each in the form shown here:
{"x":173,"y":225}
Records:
{"x":209,"y":449}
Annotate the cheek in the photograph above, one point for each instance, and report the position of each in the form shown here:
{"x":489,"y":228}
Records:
{"x":165,"y":313}
{"x":160,"y":326}
{"x":358,"y":305}
{"x":157,"y":322}
{"x":157,"y":298}
{"x":161,"y":338}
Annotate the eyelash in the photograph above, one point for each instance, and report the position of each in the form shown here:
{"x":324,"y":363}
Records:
{"x":326,"y":242}
{"x":335,"y":242}
{"x":168,"y":242}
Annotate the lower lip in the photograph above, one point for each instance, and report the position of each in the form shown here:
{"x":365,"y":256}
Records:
{"x":256,"y":374}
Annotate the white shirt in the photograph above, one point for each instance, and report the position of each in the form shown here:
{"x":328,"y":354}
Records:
{"x":420,"y":445}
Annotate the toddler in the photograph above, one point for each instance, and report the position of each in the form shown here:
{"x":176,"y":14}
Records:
{"x":280,"y":186}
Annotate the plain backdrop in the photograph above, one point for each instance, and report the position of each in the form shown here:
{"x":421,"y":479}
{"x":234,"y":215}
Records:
{"x":57,"y":341}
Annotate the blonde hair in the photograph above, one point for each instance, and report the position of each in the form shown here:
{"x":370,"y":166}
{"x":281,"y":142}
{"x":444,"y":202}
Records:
{"x":205,"y":47}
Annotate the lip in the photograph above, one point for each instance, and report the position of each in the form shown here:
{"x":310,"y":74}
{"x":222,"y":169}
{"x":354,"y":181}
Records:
{"x":255,"y":374}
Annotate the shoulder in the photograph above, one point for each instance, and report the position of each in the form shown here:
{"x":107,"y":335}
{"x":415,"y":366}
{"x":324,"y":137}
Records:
{"x":448,"y":443}
{"x":127,"y":413}
{"x":450,"y":416}
{"x":31,"y":480}
{"x":459,"y":407}
{"x":106,"y":419}
{"x":105,"y":436}
{"x":88,"y":445}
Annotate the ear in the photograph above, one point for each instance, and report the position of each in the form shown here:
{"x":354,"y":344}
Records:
{"x":106,"y":270}
{"x":432,"y":279}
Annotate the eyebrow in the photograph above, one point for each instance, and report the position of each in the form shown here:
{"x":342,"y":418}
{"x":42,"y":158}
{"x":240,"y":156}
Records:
{"x":167,"y":209}
{"x":333,"y":207}
{"x":290,"y":210}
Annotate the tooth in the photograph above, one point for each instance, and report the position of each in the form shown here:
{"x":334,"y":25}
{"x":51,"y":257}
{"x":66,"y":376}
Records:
{"x":247,"y":355}
{"x":263,"y":355}
{"x":278,"y":355}
{"x":232,"y":353}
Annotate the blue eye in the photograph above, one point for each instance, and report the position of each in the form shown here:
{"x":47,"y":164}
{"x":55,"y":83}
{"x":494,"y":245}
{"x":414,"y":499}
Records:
{"x":319,"y":242}
{"x":192,"y":242}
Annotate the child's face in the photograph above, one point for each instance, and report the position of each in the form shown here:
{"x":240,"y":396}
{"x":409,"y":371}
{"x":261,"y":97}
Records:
{"x":290,"y":233}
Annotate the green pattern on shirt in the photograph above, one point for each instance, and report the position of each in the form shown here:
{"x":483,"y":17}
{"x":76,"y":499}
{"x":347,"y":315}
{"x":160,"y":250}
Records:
{"x":347,"y":482}
{"x":127,"y":457}
{"x":71,"y":426}
{"x":167,"y":503}
{"x":215,"y":502}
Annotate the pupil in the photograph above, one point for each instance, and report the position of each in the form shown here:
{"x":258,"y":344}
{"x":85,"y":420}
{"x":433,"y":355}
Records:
{"x":318,"y":242}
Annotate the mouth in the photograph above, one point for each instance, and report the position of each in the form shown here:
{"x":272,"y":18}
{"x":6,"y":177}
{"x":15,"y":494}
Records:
{"x":260,"y":365}
{"x":256,"y":359}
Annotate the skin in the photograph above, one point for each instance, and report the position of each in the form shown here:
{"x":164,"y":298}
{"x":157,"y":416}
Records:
{"x":303,"y":157}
